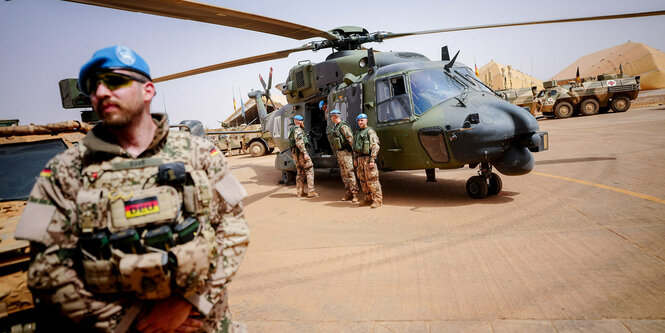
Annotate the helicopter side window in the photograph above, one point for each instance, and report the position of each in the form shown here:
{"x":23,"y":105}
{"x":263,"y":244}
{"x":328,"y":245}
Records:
{"x":392,"y":100}
{"x":430,"y":88}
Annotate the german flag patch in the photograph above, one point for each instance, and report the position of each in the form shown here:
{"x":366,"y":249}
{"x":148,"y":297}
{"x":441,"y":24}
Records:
{"x":140,"y":207}
{"x":46,"y":173}
{"x":214,"y":151}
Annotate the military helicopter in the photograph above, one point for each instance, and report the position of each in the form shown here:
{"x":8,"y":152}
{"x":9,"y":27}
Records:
{"x":427,"y":114}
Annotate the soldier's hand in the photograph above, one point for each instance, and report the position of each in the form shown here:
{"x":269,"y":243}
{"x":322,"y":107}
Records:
{"x":355,"y":163}
{"x":371,"y":163}
{"x":166,"y":315}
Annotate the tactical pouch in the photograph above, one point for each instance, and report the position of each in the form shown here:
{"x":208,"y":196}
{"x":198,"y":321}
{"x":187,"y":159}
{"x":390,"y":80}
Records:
{"x":192,"y":265}
{"x":366,"y":148}
{"x":92,"y":206}
{"x":142,"y":207}
{"x":101,"y":276}
{"x":197,"y":197}
{"x":146,"y":274}
{"x":337,"y":143}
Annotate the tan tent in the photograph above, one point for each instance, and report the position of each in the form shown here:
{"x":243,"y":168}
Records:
{"x":634,"y":58}
{"x":500,"y":77}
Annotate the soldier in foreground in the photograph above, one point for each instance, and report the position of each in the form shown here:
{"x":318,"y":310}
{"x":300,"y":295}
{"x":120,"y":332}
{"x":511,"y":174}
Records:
{"x":304,"y":165}
{"x":366,"y":149}
{"x":342,"y":142}
{"x":138,"y":228}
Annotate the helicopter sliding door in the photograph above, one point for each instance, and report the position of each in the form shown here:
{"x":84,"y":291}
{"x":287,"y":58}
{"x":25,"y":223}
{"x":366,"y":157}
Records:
{"x":348,"y":102}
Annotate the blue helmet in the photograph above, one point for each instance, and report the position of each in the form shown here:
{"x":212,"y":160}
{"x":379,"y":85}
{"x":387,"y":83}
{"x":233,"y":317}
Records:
{"x":361,"y":116}
{"x":335,"y":112}
{"x":298,"y":117}
{"x":114,"y":57}
{"x":321,"y":104}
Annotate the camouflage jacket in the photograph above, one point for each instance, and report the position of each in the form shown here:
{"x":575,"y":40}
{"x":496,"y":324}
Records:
{"x":366,"y":137}
{"x":55,"y":275}
{"x":346,"y":134}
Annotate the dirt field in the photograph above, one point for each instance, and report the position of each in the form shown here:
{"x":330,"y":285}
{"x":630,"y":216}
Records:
{"x":578,"y":245}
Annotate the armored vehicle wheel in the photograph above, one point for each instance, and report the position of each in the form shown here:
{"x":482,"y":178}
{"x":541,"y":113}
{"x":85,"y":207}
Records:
{"x":288,"y":177}
{"x":589,"y":107}
{"x":620,"y":103}
{"x":257,"y":149}
{"x":477,"y":187}
{"x":496,"y":184}
{"x":563,"y":110}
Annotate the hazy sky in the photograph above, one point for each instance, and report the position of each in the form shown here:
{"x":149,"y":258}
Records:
{"x":44,"y":41}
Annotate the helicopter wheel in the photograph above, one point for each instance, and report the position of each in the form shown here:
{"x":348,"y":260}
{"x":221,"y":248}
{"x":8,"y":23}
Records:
{"x":477,"y":187}
{"x":495,"y":184}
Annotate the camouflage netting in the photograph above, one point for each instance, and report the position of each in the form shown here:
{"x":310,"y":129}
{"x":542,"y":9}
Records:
{"x":634,"y":58}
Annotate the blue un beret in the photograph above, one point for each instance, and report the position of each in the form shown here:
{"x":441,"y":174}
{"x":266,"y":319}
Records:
{"x":361,"y":116}
{"x":298,"y":117}
{"x":114,"y":57}
{"x":335,"y":112}
{"x":321,"y":104}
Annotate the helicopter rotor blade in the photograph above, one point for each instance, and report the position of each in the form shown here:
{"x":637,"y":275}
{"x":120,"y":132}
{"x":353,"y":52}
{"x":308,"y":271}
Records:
{"x":196,"y":11}
{"x":390,"y":35}
{"x":233,"y":63}
{"x":263,"y":83}
{"x":269,"y":80}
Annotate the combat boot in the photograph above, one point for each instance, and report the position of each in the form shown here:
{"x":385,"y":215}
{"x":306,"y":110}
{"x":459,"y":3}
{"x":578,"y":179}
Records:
{"x":355,"y":199}
{"x":375,"y":204}
{"x":312,"y":194}
{"x":300,"y":194}
{"x":348,"y":197}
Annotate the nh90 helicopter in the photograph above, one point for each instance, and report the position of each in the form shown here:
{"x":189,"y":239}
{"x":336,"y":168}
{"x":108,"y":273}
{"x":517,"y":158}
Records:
{"x":427,"y":114}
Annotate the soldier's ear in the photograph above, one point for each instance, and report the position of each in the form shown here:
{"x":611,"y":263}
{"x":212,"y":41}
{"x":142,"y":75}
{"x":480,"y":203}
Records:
{"x":149,"y":91}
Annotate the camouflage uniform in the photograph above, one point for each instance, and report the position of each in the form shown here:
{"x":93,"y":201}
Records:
{"x":53,"y":222}
{"x":366,"y":149}
{"x":343,"y":133}
{"x":304,"y":165}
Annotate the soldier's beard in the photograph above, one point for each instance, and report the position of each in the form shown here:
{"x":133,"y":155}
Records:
{"x":122,"y":116}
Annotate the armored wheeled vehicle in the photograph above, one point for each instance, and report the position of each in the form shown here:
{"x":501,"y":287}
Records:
{"x":24,"y":151}
{"x":245,"y":139}
{"x":608,"y":91}
{"x":523,"y":97}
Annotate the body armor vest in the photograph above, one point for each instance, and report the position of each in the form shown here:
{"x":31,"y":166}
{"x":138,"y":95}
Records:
{"x":293,"y":134}
{"x":361,"y":142}
{"x":339,"y":142}
{"x":145,"y":223}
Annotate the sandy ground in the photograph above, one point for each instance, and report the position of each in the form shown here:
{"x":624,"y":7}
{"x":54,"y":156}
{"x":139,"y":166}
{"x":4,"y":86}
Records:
{"x":577,"y":245}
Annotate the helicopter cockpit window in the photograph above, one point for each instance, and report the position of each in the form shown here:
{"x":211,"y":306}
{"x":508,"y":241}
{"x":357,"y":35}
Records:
{"x":392,"y":99}
{"x":431,"y":87}
{"x":476,"y":84}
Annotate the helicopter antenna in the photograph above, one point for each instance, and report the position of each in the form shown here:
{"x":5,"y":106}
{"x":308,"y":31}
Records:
{"x":451,"y":63}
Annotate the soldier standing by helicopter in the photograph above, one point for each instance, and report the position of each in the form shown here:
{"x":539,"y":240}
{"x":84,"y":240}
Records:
{"x":304,"y":166}
{"x":366,"y":149}
{"x":342,"y":142}
{"x":138,"y":228}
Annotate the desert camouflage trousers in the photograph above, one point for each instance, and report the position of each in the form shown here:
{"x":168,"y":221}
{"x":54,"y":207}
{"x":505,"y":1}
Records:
{"x":369,"y":179}
{"x":345,"y":161}
{"x":219,"y":320}
{"x":305,"y":174}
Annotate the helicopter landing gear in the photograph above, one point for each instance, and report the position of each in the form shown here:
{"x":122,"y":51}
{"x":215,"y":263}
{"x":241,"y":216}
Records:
{"x":486,"y":183}
{"x":431,"y":175}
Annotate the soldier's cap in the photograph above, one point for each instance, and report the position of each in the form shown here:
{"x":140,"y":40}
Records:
{"x":321,"y":104}
{"x":298,"y":117}
{"x":114,"y":57}
{"x":335,"y":112}
{"x":361,"y":116}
